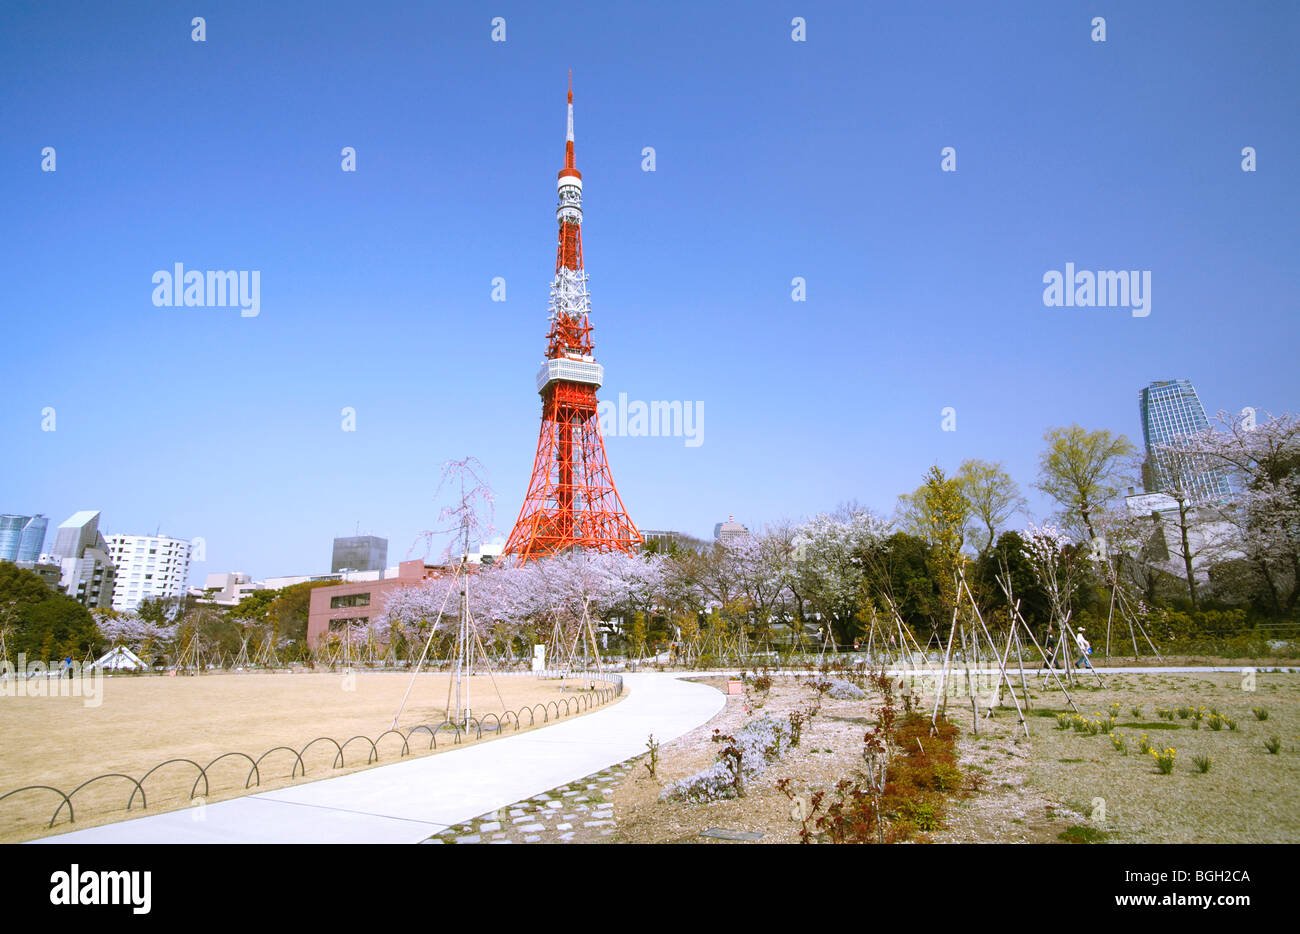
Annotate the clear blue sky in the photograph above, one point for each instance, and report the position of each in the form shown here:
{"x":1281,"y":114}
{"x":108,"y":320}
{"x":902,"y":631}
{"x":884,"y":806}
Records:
{"x":775,"y":159}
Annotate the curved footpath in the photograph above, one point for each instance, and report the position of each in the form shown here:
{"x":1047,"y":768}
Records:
{"x":413,"y":799}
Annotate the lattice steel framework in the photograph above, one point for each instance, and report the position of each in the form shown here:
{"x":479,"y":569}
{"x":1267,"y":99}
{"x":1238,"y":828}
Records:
{"x":571,"y":501}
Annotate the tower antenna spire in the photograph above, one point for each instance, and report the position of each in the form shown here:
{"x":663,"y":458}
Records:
{"x":571,"y":502}
{"x":570,"y":162}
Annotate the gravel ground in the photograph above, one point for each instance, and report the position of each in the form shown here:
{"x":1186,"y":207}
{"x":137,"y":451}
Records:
{"x":1030,"y":790}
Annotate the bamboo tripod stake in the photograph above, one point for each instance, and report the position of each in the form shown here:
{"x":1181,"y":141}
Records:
{"x":1006,"y":588}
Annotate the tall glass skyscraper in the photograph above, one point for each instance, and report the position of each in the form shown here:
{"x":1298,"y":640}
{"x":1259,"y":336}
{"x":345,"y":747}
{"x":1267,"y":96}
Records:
{"x":22,"y":537}
{"x":1171,"y":412}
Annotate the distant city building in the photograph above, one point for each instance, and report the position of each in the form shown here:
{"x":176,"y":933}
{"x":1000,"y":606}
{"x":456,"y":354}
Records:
{"x":357,"y":602}
{"x":729,"y":529}
{"x":1210,"y":536}
{"x":51,"y":573}
{"x":1147,"y":504}
{"x":148,"y":567}
{"x":359,"y":553}
{"x":11,"y":532}
{"x":279,"y":583}
{"x":1171,"y":412}
{"x":77,"y":533}
{"x":22,"y":538}
{"x":87,"y":572}
{"x":229,"y":589}
{"x":89,"y":579}
{"x":488,"y":553}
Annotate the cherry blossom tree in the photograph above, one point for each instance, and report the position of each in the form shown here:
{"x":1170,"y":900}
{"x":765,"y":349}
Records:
{"x":1060,"y":567}
{"x":830,"y":555}
{"x":1262,"y":459}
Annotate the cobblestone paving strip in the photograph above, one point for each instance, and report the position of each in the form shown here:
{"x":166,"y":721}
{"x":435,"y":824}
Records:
{"x":579,"y":812}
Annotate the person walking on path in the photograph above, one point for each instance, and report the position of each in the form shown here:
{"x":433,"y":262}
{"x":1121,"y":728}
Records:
{"x":1085,"y":649}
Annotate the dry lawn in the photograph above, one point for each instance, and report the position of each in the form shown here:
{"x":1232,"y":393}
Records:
{"x":1248,"y":796}
{"x":145,"y":720}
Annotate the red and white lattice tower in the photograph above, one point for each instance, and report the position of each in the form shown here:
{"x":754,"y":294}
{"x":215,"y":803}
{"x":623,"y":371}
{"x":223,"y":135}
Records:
{"x":571,"y":500}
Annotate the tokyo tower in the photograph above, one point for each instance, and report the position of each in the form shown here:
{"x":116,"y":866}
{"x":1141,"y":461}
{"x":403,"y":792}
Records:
{"x":571,"y":500}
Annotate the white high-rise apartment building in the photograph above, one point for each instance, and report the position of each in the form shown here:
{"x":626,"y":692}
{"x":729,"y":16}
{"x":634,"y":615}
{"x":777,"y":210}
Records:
{"x":148,"y":566}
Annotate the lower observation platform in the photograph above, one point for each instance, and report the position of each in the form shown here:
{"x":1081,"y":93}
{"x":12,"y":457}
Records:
{"x":570,"y":370}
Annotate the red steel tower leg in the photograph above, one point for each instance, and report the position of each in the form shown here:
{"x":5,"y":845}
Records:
{"x":571,"y":501}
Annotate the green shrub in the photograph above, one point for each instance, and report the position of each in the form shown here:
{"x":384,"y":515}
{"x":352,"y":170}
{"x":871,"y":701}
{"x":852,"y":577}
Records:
{"x":1081,"y":833}
{"x":925,"y":815}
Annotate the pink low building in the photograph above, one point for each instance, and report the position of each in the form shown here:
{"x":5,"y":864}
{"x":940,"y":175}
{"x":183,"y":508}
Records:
{"x":337,"y":605}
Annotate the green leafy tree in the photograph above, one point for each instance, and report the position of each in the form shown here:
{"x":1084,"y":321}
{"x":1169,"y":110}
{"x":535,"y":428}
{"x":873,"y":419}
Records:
{"x":255,"y":605}
{"x":993,"y":496}
{"x":1082,"y":470}
{"x":288,"y":613}
{"x":636,"y":636}
{"x":1007,"y":556}
{"x":899,"y":567}
{"x":40,"y":622}
{"x":20,"y":586}
{"x":282,"y":612}
{"x":938,"y":512}
{"x":56,"y":628}
{"x":163,"y":611}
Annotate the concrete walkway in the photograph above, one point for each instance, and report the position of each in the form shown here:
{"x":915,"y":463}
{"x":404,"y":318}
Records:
{"x":410,"y":800}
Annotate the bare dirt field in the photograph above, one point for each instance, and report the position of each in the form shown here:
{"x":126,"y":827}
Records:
{"x":143,"y":721}
{"x":1060,"y":785}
